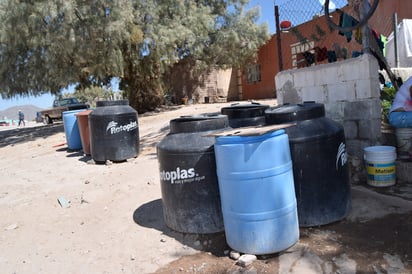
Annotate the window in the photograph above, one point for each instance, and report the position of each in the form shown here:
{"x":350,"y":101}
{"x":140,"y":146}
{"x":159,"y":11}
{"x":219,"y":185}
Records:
{"x":298,"y":50}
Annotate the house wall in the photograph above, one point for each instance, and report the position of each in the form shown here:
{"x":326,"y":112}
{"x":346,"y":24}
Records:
{"x":213,"y":87}
{"x":350,"y":92}
{"x":381,"y":21}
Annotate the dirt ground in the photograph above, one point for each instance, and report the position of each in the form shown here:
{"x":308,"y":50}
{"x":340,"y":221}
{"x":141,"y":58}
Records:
{"x":114,"y":223}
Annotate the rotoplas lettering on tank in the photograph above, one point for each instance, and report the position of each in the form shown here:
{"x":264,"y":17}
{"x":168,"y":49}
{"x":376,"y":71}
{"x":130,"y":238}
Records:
{"x":114,"y":127}
{"x":180,"y":175}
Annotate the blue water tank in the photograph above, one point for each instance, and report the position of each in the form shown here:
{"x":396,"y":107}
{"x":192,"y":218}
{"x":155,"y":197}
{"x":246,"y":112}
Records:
{"x":257,"y":192}
{"x":71,"y":129}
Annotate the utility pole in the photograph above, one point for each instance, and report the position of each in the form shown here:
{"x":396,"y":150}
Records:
{"x":364,"y":8}
{"x":278,"y":39}
{"x":395,"y":38}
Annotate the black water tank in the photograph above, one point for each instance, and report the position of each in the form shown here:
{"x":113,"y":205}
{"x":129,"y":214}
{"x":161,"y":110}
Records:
{"x":244,"y":115}
{"x":319,"y":158}
{"x":190,"y":190}
{"x":114,"y":131}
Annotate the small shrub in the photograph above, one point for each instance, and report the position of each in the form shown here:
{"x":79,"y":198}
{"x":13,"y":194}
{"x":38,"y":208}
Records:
{"x":387,"y":96}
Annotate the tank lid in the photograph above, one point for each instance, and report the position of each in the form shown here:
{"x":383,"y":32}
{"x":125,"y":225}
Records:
{"x":198,"y":123}
{"x":294,"y":112}
{"x":244,"y":110}
{"x":112,"y":103}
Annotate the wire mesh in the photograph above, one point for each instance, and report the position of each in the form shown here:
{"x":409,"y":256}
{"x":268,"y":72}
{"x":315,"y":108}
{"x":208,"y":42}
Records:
{"x":301,"y":11}
{"x":312,"y":41}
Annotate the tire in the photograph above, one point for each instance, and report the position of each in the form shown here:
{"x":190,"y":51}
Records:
{"x":47,"y":120}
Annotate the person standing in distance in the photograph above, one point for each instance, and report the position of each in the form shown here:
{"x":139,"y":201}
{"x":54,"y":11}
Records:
{"x":21,"y":118}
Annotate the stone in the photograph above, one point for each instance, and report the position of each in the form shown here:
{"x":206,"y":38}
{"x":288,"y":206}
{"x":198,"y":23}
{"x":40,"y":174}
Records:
{"x":246,"y":259}
{"x":234,"y":255}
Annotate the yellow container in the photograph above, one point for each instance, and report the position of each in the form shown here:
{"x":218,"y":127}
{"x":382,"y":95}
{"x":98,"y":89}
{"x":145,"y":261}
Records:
{"x":380,"y":165}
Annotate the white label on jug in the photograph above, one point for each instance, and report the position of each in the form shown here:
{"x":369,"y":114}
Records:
{"x":113,"y":128}
{"x":341,"y":157}
{"x":180,"y":176}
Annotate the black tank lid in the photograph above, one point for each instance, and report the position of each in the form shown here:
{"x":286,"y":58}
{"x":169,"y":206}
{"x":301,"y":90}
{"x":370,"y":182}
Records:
{"x":112,"y":103}
{"x":198,"y":123}
{"x":244,"y":110}
{"x":294,"y":112}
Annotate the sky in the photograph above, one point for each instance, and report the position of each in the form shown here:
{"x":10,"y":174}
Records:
{"x":46,"y":100}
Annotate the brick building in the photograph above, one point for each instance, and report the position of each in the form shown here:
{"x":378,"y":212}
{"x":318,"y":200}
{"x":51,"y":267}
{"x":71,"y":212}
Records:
{"x":258,"y":78}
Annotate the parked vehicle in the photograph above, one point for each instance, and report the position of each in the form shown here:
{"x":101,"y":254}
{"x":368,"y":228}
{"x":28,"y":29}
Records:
{"x":59,"y":106}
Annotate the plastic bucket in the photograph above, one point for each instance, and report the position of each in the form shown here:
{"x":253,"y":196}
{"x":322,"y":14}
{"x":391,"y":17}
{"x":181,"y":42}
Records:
{"x":83,"y":123}
{"x":403,"y":141}
{"x":380,"y":165}
{"x":257,"y":192}
{"x":71,"y":129}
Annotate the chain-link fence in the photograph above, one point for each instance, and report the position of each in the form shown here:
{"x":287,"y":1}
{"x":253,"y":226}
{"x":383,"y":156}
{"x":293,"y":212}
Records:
{"x":298,"y":11}
{"x":311,"y":39}
{"x":301,"y":11}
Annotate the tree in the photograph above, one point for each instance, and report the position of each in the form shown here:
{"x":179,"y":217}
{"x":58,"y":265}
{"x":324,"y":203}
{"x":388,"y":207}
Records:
{"x":91,"y":95}
{"x":47,"y":45}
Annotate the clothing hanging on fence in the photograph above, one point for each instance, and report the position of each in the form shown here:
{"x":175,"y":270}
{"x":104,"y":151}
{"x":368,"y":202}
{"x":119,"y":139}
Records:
{"x":358,"y":35}
{"x":381,"y":40}
{"x":345,"y":20}
{"x":321,"y":53}
{"x":309,"y":57}
{"x":332,"y":56}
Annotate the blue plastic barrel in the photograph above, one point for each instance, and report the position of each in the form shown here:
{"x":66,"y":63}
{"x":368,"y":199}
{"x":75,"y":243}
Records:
{"x":71,"y":129}
{"x":257,"y":192}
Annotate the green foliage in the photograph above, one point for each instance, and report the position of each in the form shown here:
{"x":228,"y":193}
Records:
{"x":91,"y":95}
{"x":46,"y":45}
{"x":387,"y":96}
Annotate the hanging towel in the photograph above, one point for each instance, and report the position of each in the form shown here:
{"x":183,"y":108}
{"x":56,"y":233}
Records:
{"x":331,"y":56}
{"x":309,"y":57}
{"x":345,"y":20}
{"x":321,"y":53}
{"x":384,"y":40}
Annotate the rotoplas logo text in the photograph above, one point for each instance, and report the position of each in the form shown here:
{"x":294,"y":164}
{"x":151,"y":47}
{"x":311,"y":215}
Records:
{"x":113,"y":127}
{"x":341,"y":156}
{"x":177,"y":175}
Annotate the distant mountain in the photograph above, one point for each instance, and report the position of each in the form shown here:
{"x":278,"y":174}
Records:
{"x":13,"y":112}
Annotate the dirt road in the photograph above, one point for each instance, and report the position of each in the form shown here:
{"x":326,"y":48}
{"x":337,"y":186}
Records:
{"x":114,"y":221}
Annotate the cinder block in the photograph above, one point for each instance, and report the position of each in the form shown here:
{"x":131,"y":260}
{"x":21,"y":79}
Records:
{"x":304,"y":77}
{"x":317,"y":94}
{"x":363,"y":109}
{"x":335,"y":110}
{"x":284,"y":78}
{"x":344,"y":91}
{"x":355,"y":147}
{"x":354,"y":69}
{"x":327,"y":74}
{"x":351,"y":129}
{"x":404,"y":171}
{"x":370,"y":129}
{"x":366,"y":89}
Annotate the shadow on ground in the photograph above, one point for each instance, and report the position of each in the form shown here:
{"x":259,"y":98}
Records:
{"x":150,"y":215}
{"x":22,"y":135}
{"x":149,"y":141}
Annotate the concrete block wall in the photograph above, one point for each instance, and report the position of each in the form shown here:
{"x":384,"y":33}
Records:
{"x":350,"y":92}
